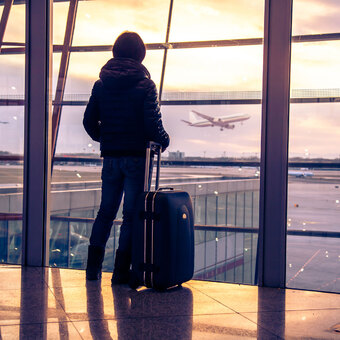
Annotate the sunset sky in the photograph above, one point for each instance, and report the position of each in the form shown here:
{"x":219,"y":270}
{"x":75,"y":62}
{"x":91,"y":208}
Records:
{"x":314,"y":66}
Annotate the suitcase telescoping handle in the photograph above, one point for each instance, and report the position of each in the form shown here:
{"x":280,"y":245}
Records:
{"x":152,"y":148}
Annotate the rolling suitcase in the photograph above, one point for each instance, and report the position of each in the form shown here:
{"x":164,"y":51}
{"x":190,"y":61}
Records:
{"x":163,"y":234}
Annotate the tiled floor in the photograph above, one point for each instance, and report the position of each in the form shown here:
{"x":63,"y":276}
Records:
{"x":37,"y":303}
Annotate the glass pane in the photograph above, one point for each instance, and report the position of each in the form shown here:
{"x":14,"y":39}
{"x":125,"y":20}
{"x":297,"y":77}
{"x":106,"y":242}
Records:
{"x":240,"y":139}
{"x":248,"y":268}
{"x":231,"y":255}
{"x":314,"y":132}
{"x":83,"y":71}
{"x":211,"y":210}
{"x":100,"y":22}
{"x":72,"y":137}
{"x":60,"y":11}
{"x":313,"y":187}
{"x":85,"y":67}
{"x":240,"y":209}
{"x":12,"y":89}
{"x":15,"y":29}
{"x":56,"y":65}
{"x":231,"y":209}
{"x":313,"y":263}
{"x":239,"y":259}
{"x":212,"y":20}
{"x":219,"y":193}
{"x":69,"y":243}
{"x":221,"y":256}
{"x":224,"y":257}
{"x":315,"y":17}
{"x":222,"y":209}
{"x":200,"y":214}
{"x":256,"y":209}
{"x":232,"y":191}
{"x":76,"y":184}
{"x":315,"y":66}
{"x":12,"y":76}
{"x":12,"y":141}
{"x":210,"y":255}
{"x":217,"y":69}
{"x":248,"y":210}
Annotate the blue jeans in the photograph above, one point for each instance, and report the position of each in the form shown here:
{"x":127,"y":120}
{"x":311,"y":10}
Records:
{"x":119,"y":175}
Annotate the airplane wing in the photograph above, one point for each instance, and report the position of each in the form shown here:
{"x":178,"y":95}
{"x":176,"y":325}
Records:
{"x":209,"y":118}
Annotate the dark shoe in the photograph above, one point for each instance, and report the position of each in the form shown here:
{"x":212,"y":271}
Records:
{"x":121,"y":272}
{"x":94,"y":262}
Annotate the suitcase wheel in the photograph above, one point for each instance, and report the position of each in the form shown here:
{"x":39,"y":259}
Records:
{"x":133,"y":282}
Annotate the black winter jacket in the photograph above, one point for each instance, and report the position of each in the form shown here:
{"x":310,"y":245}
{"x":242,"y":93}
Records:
{"x":123,"y":112}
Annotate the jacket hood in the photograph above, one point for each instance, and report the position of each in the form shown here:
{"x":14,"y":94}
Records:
{"x":122,"y":73}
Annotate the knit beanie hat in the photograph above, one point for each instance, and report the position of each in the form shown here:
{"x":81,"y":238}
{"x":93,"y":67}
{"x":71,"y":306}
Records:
{"x":129,"y":45}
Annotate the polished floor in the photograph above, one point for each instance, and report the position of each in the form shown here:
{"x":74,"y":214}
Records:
{"x":42,"y":303}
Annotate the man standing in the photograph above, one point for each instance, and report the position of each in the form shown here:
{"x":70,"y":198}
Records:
{"x":122,"y":114}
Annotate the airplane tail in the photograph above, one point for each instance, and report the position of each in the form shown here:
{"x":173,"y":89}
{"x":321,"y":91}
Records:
{"x":185,"y":121}
{"x":192,"y":116}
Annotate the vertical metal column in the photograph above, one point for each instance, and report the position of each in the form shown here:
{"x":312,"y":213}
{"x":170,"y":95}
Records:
{"x":274,"y":144}
{"x":4,"y":19}
{"x":37,"y":157}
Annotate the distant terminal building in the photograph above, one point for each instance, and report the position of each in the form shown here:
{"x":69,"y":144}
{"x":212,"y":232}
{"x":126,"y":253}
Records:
{"x":176,"y":155}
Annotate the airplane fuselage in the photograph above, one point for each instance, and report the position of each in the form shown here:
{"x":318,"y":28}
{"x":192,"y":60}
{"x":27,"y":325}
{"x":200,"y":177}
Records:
{"x":220,"y":121}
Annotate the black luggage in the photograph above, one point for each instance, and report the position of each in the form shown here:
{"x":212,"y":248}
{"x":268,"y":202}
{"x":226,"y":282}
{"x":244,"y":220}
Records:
{"x":163,"y":234}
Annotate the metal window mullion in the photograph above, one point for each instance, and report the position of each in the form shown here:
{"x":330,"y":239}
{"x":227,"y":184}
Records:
{"x":37,"y":157}
{"x":165,"y":50}
{"x":274,"y":143}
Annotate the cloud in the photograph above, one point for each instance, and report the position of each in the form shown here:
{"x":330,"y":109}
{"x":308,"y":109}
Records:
{"x":315,"y":127}
{"x":100,"y":22}
{"x":315,"y":65}
{"x":316,"y":16}
{"x":213,"y":20}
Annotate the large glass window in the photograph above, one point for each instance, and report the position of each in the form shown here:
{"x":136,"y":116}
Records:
{"x":313,"y":257}
{"x":216,"y":20}
{"x":12,"y":85}
{"x":212,"y":70}
{"x":79,"y":83}
{"x":315,"y":17}
{"x":15,"y":28}
{"x":100,"y":22}
{"x":60,"y":10}
{"x":221,"y":81}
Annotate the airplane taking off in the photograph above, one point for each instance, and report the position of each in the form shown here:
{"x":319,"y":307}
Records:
{"x":222,"y":122}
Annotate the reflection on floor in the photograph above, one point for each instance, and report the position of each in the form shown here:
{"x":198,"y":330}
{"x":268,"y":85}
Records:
{"x":42,"y":303}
